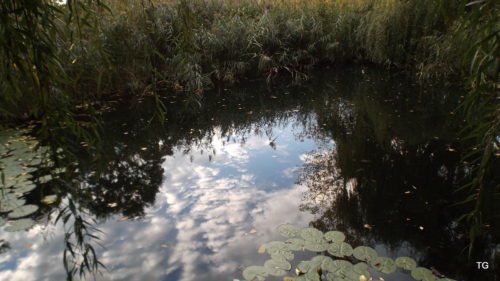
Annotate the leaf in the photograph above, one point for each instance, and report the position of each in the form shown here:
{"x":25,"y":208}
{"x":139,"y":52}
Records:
{"x":311,"y":234}
{"x":365,"y":253}
{"x":340,"y":249}
{"x":9,"y":205}
{"x":255,"y":272}
{"x":384,"y":265}
{"x":406,"y":263}
{"x":278,"y":264}
{"x":362,"y":269}
{"x":420,"y":273}
{"x":23,"y":211}
{"x":295,"y":244}
{"x":21,"y":224}
{"x":262,"y":249}
{"x":49,"y":199}
{"x":315,"y":247}
{"x":334,"y":236}
{"x":288,"y":230}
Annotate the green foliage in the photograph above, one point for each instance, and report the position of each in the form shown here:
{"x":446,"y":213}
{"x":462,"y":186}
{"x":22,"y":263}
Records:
{"x":323,"y":267}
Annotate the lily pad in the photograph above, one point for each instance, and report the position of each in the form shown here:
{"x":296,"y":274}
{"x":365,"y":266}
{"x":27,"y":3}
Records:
{"x":384,"y":265}
{"x":340,"y":249}
{"x":9,"y":205}
{"x":311,"y":234}
{"x":310,"y":276}
{"x":335,"y":236}
{"x":23,"y":211}
{"x":406,"y":263}
{"x":21,"y":224}
{"x":365,"y":253}
{"x":337,"y":267}
{"x":288,"y":230}
{"x":362,"y":269}
{"x":295,"y":244}
{"x":315,"y":246}
{"x":278,"y":264}
{"x":420,"y":273}
{"x":252,"y":273}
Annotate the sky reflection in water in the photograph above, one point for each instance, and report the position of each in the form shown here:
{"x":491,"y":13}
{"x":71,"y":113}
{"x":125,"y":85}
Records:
{"x":202,"y":224}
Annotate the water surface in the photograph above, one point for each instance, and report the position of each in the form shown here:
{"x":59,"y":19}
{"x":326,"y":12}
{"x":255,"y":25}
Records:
{"x":365,"y":152}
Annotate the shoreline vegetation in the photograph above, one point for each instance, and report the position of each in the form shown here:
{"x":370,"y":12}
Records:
{"x":60,"y":61}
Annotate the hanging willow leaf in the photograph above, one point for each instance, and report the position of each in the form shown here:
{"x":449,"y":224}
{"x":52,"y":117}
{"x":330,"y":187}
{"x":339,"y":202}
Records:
{"x":340,"y":249}
{"x":406,"y":263}
{"x":23,"y":211}
{"x":365,"y":253}
{"x":21,"y":224}
{"x":288,"y":230}
{"x":384,"y":265}
{"x":252,"y":273}
{"x":335,"y":236}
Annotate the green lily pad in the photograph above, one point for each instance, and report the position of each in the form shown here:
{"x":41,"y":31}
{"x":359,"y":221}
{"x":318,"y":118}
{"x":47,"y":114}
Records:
{"x":282,"y":255}
{"x":337,"y":267}
{"x":295,"y":244}
{"x":288,"y":230}
{"x":24,"y":187}
{"x":420,"y":273}
{"x":310,"y":276}
{"x":362,"y":269}
{"x":340,"y":249}
{"x":9,"y":205}
{"x":23,"y":211}
{"x":365,"y":253}
{"x":21,"y":224}
{"x":335,"y":236}
{"x":252,"y":273}
{"x":406,"y":263}
{"x":311,"y":234}
{"x":278,"y":264}
{"x":315,"y":246}
{"x":384,"y":265}
{"x":306,"y":266}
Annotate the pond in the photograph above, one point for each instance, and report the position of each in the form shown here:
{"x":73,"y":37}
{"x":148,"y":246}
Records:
{"x":363,"y":151}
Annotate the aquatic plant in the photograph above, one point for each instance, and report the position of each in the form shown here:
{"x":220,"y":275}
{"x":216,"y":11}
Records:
{"x":335,"y":264}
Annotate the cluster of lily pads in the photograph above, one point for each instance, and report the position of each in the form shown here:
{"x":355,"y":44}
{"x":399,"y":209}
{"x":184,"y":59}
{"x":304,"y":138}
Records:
{"x":19,"y":157}
{"x":337,"y":266}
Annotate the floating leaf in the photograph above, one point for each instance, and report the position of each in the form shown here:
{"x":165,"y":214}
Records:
{"x":311,"y":234}
{"x":21,"y":224}
{"x":335,"y":236}
{"x":362,"y":269}
{"x":338,"y":267}
{"x":310,"y":276}
{"x":252,"y":273}
{"x":281,"y":264}
{"x":295,"y":244}
{"x":420,"y":273}
{"x":49,"y":199}
{"x":365,"y":253}
{"x":340,"y":249}
{"x":315,"y":246}
{"x":24,"y":187}
{"x":288,"y":230}
{"x":384,"y":265}
{"x":9,"y":205}
{"x":262,"y":249}
{"x":406,"y":263}
{"x":23,"y":211}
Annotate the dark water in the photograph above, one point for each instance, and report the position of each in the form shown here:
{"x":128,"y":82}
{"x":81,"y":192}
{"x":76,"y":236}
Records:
{"x":365,"y":152}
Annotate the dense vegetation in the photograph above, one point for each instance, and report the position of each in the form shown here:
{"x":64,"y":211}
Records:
{"x":62,"y":60}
